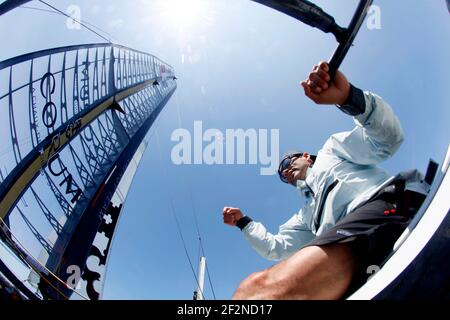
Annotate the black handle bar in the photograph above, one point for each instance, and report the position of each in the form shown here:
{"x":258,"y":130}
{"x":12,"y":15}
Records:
{"x":314,"y":16}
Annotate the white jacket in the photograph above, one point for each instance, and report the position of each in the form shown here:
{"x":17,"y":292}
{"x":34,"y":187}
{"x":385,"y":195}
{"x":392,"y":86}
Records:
{"x":343,"y":177}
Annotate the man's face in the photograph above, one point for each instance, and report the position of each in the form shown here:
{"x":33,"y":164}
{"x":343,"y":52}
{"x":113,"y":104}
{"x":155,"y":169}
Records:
{"x":297,"y":168}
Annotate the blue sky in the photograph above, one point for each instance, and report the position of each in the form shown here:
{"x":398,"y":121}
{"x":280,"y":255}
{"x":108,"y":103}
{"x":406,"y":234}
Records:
{"x":239,"y":65}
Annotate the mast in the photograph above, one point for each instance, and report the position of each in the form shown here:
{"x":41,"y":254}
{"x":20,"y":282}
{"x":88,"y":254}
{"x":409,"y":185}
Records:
{"x":198,"y":294}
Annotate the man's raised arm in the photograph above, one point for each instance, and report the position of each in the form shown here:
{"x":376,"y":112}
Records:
{"x":378,"y":133}
{"x":290,"y":238}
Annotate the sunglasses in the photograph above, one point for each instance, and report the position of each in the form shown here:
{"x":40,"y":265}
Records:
{"x":285,"y":163}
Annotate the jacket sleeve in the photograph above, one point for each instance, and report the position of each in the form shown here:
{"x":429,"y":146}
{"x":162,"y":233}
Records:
{"x":377,"y":135}
{"x":291,"y":237}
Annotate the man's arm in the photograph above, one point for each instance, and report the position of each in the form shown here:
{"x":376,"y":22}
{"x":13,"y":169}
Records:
{"x":378,"y":133}
{"x":291,"y":236}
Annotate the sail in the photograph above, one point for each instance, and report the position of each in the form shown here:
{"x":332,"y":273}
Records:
{"x":76,"y":117}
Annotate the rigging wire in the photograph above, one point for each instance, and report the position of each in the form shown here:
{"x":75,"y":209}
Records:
{"x":155,"y":133}
{"x":177,"y":221}
{"x":73,"y":19}
{"x":201,"y":243}
{"x":201,"y":249}
{"x":38,"y":9}
{"x":209,"y":280}
{"x":56,"y":12}
{"x":194,"y":211}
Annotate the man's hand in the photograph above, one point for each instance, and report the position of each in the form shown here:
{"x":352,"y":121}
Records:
{"x":231,"y":215}
{"x":319,"y":88}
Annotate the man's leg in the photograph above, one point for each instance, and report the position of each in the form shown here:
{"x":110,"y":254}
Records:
{"x":315,"y":272}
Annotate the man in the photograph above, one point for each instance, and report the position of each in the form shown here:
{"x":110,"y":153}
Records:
{"x":354,"y":210}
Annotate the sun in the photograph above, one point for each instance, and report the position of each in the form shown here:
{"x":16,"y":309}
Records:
{"x":183,"y":14}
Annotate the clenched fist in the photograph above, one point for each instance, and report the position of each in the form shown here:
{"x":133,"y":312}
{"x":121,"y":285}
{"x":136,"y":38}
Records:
{"x":321,"y":90}
{"x":231,"y":215}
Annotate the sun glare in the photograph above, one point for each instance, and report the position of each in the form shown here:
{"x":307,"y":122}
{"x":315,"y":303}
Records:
{"x":183,"y":13}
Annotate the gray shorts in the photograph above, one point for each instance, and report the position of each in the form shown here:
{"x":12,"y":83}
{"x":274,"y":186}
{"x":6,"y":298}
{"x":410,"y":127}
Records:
{"x":373,"y":228}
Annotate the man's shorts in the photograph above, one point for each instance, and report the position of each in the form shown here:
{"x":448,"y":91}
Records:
{"x":373,"y":228}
